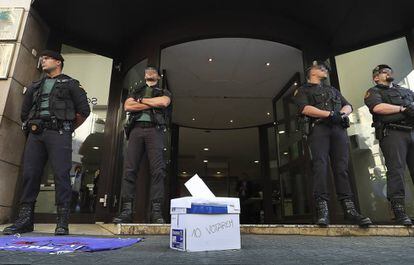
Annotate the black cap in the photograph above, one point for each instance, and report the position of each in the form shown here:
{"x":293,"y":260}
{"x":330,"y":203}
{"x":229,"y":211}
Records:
{"x":52,"y":54}
{"x":378,"y":69}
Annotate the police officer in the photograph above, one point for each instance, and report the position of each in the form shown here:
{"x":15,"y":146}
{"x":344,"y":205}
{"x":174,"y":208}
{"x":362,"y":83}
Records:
{"x":52,"y":108}
{"x":392,"y":108}
{"x":145,"y":131}
{"x":328,"y":112}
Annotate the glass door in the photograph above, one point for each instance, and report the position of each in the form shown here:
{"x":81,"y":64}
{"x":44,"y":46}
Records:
{"x":289,"y":161}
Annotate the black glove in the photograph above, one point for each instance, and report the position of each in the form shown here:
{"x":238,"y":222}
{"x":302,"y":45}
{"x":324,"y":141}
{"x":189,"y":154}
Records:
{"x":335,"y":117}
{"x":345,"y":122}
{"x":409,"y":110}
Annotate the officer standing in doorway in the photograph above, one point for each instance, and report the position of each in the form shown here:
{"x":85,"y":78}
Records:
{"x":52,"y":108}
{"x":145,"y":132}
{"x":392,"y":108}
{"x":327,"y":113}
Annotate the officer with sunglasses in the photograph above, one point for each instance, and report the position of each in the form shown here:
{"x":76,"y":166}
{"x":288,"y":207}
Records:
{"x":53,"y":107}
{"x":392,"y":108}
{"x":327,"y":110}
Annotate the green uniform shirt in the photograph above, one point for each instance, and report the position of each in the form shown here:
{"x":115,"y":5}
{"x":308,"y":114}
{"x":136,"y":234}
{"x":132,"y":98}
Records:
{"x":145,"y":116}
{"x":44,"y":99}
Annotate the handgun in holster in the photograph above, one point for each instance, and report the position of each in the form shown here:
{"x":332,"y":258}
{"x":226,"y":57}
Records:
{"x":129,"y":125}
{"x":380,"y":130}
{"x":35,"y":126}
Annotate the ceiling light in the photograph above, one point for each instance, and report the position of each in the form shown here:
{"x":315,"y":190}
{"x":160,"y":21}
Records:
{"x":256,"y":161}
{"x":184,"y":172}
{"x":218,"y":172}
{"x":96,"y":147}
{"x":165,"y":148}
{"x":295,"y":84}
{"x":281,"y":132}
{"x":193,"y":119}
{"x":268,"y":114}
{"x":267,"y":64}
{"x":206,"y":149}
{"x":285,"y":153}
{"x":231,"y":121}
{"x":205,"y":161}
{"x":210,"y":59}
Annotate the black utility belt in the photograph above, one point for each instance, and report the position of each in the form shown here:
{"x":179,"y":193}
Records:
{"x":399,"y":127}
{"x":37,"y":126}
{"x":145,"y":124}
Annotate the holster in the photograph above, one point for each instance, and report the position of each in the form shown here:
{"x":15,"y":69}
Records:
{"x":35,"y":126}
{"x":379,"y":130}
{"x":129,"y":125}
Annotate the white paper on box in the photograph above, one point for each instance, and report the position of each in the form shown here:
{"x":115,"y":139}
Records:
{"x":198,"y":188}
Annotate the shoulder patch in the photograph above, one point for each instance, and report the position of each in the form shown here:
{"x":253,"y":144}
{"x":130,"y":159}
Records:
{"x":367,"y":94}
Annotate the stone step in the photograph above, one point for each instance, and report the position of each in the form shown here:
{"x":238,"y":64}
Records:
{"x":101,"y":229}
{"x":279,"y":229}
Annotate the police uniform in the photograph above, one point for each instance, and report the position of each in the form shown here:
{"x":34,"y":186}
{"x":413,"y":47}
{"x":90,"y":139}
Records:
{"x":145,"y":131}
{"x":48,"y":114}
{"x":396,"y":137}
{"x":328,"y":142}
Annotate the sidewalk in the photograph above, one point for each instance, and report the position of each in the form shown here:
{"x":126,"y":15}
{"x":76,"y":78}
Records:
{"x":256,"y":249}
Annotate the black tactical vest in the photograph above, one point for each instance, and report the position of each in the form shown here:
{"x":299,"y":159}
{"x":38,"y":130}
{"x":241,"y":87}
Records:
{"x":61,"y":105}
{"x":158,"y":115}
{"x":324,"y":98}
{"x":396,"y":96}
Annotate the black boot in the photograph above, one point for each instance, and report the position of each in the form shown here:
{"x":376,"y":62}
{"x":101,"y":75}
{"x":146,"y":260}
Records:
{"x":62,"y":220}
{"x":351,"y":214}
{"x":126,"y":213}
{"x":323,"y":212}
{"x":24,"y":221}
{"x":401,"y":217}
{"x":156,"y":212}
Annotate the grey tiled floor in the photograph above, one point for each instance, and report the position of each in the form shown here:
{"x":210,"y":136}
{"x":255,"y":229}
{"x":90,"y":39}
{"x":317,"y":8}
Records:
{"x":256,"y":249}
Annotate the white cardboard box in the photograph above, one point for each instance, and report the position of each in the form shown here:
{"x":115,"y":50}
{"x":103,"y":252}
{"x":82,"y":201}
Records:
{"x":205,"y":224}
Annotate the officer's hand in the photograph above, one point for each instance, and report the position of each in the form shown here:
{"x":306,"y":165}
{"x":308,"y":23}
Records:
{"x":335,"y":117}
{"x":345,"y":123}
{"x":409,"y":110}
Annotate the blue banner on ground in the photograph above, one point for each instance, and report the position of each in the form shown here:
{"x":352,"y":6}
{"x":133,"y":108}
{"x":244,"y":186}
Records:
{"x":66,"y":244}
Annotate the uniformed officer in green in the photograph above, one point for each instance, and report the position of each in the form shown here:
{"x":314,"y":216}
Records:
{"x":147,"y":122}
{"x":392,"y":108}
{"x":52,"y":108}
{"x":327,"y":111}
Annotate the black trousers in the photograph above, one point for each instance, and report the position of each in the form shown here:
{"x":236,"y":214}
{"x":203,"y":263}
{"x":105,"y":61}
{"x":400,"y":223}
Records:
{"x":57,"y":147}
{"x":150,"y":140}
{"x":398,"y":150}
{"x":330,"y":144}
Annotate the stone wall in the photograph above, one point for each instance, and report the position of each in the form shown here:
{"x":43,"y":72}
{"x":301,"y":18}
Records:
{"x":33,"y":34}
